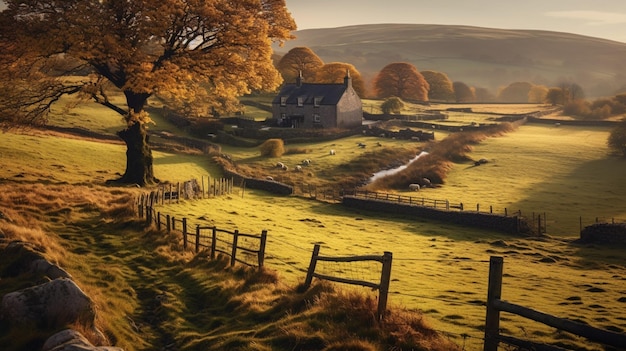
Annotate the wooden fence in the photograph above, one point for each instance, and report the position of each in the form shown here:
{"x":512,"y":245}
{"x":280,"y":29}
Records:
{"x":495,"y":305}
{"x":230,"y":243}
{"x":173,"y":192}
{"x":382,"y":287}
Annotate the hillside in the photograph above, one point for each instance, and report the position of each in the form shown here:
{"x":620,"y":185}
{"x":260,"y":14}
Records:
{"x":480,"y":57}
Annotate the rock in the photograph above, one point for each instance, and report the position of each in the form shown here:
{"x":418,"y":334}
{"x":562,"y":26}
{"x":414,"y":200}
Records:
{"x":52,"y":304}
{"x":71,"y":340}
{"x":52,"y":271}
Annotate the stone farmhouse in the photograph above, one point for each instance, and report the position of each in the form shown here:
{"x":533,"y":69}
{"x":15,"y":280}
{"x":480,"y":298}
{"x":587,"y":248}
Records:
{"x":315,"y":105}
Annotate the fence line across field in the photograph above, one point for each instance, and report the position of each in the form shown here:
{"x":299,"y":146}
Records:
{"x":494,"y":304}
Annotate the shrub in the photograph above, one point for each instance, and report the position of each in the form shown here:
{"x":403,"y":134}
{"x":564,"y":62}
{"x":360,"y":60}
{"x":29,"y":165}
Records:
{"x":272,"y":148}
{"x":392,"y":105}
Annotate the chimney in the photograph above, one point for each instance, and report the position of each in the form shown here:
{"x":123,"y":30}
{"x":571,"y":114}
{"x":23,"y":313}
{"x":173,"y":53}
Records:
{"x":299,"y":79}
{"x":347,"y":81}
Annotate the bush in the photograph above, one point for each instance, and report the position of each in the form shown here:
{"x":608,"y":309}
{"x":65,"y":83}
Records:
{"x":392,"y":105}
{"x":272,"y":148}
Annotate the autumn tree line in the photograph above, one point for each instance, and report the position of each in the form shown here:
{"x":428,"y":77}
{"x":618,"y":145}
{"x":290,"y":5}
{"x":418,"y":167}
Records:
{"x":402,"y":81}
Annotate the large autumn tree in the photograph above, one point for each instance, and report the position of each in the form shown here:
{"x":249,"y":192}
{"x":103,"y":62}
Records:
{"x":403,"y":80}
{"x":440,"y":86}
{"x":190,"y":52}
{"x":299,"y":60}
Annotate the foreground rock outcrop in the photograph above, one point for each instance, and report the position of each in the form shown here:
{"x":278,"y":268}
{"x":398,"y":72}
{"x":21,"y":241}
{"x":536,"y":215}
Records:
{"x":54,"y":301}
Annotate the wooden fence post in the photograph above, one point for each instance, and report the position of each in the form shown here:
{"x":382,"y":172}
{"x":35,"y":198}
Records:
{"x":184,"y":233}
{"x":234,"y":250}
{"x":309,"y":273}
{"x":494,"y":293}
{"x":169,"y":224}
{"x":213,"y":242}
{"x":158,"y":220}
{"x":173,"y":223}
{"x":262,"y":248}
{"x":385,"y":277}
{"x":197,"y":238}
{"x":148,"y":215}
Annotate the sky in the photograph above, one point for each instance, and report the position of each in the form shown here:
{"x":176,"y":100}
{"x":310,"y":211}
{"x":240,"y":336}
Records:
{"x":600,"y":18}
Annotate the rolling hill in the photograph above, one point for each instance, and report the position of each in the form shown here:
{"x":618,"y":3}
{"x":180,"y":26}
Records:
{"x":480,"y":57}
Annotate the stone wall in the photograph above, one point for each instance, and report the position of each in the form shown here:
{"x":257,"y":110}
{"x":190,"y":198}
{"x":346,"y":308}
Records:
{"x":500,"y":223}
{"x":604,"y":233}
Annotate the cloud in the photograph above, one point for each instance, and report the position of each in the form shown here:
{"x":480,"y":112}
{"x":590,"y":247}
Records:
{"x":592,"y":18}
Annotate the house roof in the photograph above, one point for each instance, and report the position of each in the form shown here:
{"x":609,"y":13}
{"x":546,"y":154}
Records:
{"x":330,"y":93}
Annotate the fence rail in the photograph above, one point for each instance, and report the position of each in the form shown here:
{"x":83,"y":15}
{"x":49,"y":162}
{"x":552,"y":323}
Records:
{"x":382,"y":287}
{"x":254,"y":244}
{"x":495,"y":305}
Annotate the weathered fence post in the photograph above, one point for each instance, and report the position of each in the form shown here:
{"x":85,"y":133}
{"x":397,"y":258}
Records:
{"x":494,"y":293}
{"x":234,"y":250}
{"x":262,"y":248}
{"x":173,"y":223}
{"x":385,"y":277}
{"x":158,"y":220}
{"x":169,"y":225}
{"x":184,"y":233}
{"x":309,"y":273}
{"x":148,"y":215}
{"x":213,"y":242}
{"x":197,"y":238}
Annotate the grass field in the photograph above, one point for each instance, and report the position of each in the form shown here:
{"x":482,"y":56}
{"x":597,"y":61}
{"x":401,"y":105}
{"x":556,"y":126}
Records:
{"x":438,"y":268}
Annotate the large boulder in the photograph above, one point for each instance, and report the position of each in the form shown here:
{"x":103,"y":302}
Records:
{"x":71,"y":340}
{"x":52,"y":304}
{"x":23,"y":258}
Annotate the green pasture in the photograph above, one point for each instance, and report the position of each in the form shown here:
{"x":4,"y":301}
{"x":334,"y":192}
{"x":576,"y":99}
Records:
{"x":565,"y":172}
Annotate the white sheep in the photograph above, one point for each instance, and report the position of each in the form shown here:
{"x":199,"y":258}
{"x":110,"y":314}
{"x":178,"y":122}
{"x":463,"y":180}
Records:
{"x":269,"y":178}
{"x":332,"y":151}
{"x":298,"y":168}
{"x":280,"y":165}
{"x":306,"y":162}
{"x":414,"y":187}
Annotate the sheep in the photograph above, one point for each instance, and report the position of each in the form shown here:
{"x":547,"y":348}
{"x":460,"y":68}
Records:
{"x":414,"y":187}
{"x":379,"y":144}
{"x":269,"y":178}
{"x":280,"y":165}
{"x":361,"y":145}
{"x":306,"y":162}
{"x":426,"y":182}
{"x":332,"y":151}
{"x":557,"y":124}
{"x":298,"y":168}
{"x":415,"y":138}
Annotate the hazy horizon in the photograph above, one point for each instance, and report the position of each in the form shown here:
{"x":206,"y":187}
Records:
{"x":602,"y":19}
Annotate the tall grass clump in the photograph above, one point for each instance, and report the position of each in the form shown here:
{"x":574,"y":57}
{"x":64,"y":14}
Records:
{"x":272,"y":148}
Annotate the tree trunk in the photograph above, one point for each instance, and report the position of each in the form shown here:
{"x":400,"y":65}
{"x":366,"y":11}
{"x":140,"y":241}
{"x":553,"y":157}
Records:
{"x":139,"y":159}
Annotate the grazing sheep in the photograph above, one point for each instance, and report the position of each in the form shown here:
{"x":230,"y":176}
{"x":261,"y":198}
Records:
{"x":280,"y":165}
{"x":482,"y":161}
{"x":361,"y":145}
{"x":269,"y":178}
{"x":298,"y":168}
{"x":426,"y":182}
{"x":414,"y":187}
{"x":332,"y":151}
{"x":415,"y":138}
{"x":557,"y":124}
{"x":306,"y":162}
{"x":379,"y":144}
{"x":285,"y":168}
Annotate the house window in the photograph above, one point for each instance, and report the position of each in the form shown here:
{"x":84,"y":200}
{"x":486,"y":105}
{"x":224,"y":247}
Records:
{"x":300,"y":101}
{"x":317,"y":101}
{"x":283,"y":101}
{"x":317,"y":118}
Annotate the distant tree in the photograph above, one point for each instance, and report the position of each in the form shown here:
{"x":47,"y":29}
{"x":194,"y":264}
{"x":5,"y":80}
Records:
{"x":484,"y":95}
{"x":617,"y":138}
{"x":392,"y":104}
{"x":403,"y":80}
{"x":192,"y":53}
{"x":555,"y":96}
{"x":463,"y":92}
{"x":299,"y":59}
{"x":335,"y":72}
{"x":515,"y":92}
{"x":538,"y":94}
{"x":440,"y":86}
